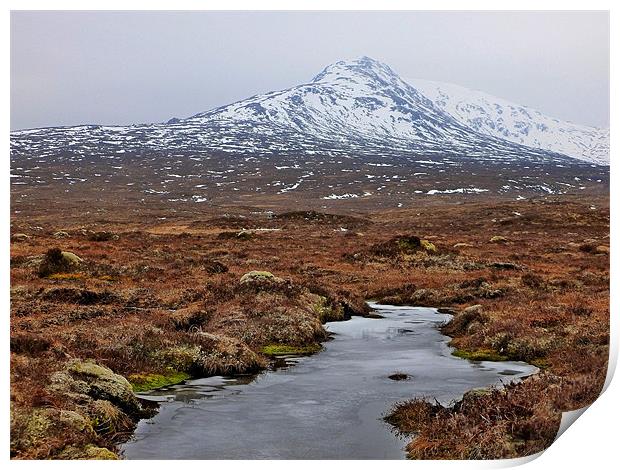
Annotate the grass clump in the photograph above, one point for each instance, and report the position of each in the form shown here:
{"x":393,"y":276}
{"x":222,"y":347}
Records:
{"x":286,"y":349}
{"x":144,"y":382}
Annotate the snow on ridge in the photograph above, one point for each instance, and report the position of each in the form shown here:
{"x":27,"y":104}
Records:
{"x":497,"y":117}
{"x":359,"y":107}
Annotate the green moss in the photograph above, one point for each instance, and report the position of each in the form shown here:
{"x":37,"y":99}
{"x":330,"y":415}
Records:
{"x":479,"y":355}
{"x":285,"y":349}
{"x":145,"y":382}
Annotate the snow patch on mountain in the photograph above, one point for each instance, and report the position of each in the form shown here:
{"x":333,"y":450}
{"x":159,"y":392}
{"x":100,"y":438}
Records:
{"x":503,"y":119}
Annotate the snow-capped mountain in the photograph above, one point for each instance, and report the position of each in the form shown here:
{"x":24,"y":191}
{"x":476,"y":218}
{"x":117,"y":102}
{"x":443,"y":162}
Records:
{"x":356,"y":131}
{"x":499,"y":118}
{"x":359,"y":107}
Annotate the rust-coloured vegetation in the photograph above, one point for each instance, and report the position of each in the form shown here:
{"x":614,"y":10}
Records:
{"x":157,"y":300}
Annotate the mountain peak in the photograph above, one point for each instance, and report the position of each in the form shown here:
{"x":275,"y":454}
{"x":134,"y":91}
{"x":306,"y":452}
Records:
{"x":364,"y":65}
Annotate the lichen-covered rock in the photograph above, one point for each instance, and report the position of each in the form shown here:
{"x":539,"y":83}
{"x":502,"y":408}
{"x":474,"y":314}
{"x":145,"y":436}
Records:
{"x":99,"y":382}
{"x":99,"y":453}
{"x":254,"y":276}
{"x":89,"y":452}
{"x":76,"y":421}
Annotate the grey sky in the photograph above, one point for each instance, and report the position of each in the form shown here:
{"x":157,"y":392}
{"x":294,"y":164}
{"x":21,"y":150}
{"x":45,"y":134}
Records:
{"x":131,"y":67}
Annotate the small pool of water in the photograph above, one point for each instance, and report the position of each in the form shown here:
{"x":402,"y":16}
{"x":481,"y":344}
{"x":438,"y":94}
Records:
{"x":326,"y":406}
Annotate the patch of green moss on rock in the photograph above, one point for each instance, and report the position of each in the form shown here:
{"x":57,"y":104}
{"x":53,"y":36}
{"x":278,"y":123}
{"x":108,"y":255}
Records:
{"x":145,"y":382}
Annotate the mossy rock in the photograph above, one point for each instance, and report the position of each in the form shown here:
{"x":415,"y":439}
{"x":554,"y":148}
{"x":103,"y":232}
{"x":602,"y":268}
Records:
{"x":57,"y":261}
{"x":409,"y":243}
{"x":403,"y":245}
{"x":89,"y":452}
{"x":76,"y":421}
{"x":92,"y":452}
{"x":258,"y":277}
{"x":103,"y":384}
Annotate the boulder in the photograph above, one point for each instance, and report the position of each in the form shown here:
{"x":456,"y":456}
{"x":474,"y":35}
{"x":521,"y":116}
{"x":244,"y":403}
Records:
{"x":101,"y":383}
{"x":57,"y":261}
{"x":258,"y":277}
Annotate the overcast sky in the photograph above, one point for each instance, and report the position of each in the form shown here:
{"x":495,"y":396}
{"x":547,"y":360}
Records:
{"x":134,"y":67}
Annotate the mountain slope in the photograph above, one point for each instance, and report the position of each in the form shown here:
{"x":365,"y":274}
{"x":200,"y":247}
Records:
{"x":356,"y":108}
{"x":355,"y":132}
{"x":362,"y":101}
{"x":499,"y":118}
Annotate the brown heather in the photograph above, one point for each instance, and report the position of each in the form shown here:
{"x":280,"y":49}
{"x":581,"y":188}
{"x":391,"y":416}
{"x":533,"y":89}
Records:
{"x":163,"y":297}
